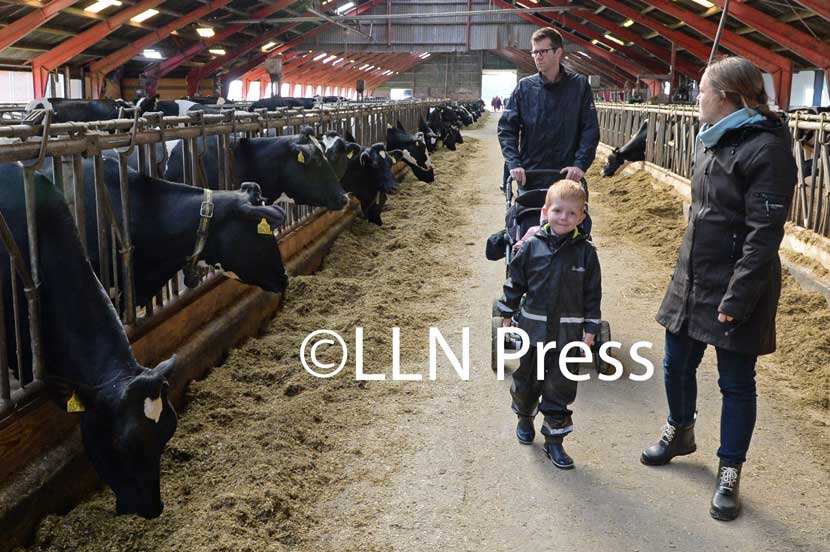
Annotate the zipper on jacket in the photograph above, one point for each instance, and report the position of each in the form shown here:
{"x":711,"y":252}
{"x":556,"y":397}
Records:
{"x":705,"y":202}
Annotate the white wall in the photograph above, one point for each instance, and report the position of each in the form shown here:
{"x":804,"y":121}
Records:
{"x":802,"y":89}
{"x":17,"y":87}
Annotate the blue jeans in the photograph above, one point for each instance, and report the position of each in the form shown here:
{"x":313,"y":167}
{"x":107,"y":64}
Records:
{"x":736,"y":379}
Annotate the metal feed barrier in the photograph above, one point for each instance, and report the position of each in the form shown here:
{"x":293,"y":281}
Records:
{"x":670,"y":144}
{"x":37,"y":141}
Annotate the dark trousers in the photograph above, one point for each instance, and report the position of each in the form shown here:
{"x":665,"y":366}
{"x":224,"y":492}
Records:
{"x":736,"y":379}
{"x":555,"y":390}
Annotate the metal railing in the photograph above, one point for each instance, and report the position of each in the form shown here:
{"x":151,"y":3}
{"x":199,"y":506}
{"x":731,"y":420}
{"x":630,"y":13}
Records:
{"x":65,"y":145}
{"x":670,"y":144}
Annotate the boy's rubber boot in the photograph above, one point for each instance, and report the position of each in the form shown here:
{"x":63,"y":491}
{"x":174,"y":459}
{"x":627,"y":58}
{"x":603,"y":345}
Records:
{"x":556,"y":453}
{"x":525,"y":432}
{"x":726,"y":504}
{"x":675,"y":441}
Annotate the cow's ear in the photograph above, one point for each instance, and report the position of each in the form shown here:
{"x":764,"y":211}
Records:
{"x":83,"y":397}
{"x":166,"y":368}
{"x":396,"y":154}
{"x":253,"y":191}
{"x":304,"y":137}
{"x":299,"y":153}
{"x":352,"y":149}
{"x":400,"y":126}
{"x":348,"y":136}
{"x":273,"y":215}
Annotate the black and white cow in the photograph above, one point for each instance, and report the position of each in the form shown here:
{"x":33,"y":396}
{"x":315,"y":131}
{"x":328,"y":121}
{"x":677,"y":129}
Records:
{"x":83,"y":111}
{"x":164,"y":219}
{"x":633,"y":150}
{"x":127,"y":418}
{"x":414,"y":149}
{"x":273,"y":103}
{"x":368,"y":174}
{"x":180,"y":108}
{"x":447,"y":132}
{"x":429,"y":134}
{"x":294,"y":165}
{"x":339,"y":152}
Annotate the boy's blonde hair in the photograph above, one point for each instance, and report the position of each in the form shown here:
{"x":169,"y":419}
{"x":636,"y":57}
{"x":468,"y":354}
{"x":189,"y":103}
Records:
{"x":569,"y":190}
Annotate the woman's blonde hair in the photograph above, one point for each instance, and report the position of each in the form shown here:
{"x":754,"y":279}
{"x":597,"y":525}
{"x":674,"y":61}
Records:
{"x":741,"y":83}
{"x":569,"y":190}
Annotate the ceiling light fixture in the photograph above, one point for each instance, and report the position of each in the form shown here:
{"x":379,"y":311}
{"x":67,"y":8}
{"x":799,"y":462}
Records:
{"x":344,"y":8}
{"x":101,"y":5}
{"x":614,"y":39}
{"x":205,"y":32}
{"x":144,"y":16}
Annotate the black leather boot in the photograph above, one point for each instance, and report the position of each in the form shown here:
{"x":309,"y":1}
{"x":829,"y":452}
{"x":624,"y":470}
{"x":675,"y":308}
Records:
{"x":675,"y":441}
{"x":556,"y":453}
{"x":525,"y":431}
{"x":726,"y":504}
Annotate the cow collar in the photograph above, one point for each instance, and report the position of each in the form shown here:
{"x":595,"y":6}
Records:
{"x":191,"y":272}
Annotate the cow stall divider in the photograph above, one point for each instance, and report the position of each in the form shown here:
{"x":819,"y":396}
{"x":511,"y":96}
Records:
{"x":670,"y":140}
{"x":37,"y":143}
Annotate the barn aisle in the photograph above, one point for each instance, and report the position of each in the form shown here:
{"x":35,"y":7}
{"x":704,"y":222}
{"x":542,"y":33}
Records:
{"x":269,"y":458}
{"x":464,"y":483}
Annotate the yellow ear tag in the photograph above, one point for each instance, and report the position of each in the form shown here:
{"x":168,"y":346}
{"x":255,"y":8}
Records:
{"x":264,"y":228}
{"x":382,"y":154}
{"x":349,"y":155}
{"x":300,"y":157}
{"x":74,"y":404}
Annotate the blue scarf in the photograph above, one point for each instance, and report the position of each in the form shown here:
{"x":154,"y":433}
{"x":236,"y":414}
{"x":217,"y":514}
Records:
{"x":710,"y":135}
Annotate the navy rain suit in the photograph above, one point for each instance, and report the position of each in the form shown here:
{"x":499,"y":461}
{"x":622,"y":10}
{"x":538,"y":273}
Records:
{"x":550,"y":125}
{"x":560,"y":277}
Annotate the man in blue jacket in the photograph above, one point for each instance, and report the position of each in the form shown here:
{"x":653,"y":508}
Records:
{"x":550,"y":121}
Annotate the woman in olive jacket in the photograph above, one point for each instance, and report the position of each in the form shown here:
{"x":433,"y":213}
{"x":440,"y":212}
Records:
{"x":725,"y":287}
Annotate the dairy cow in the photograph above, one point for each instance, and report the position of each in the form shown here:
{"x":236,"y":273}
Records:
{"x":430,"y":135}
{"x":82,"y":111}
{"x":164,"y":219}
{"x":127,"y":417}
{"x":414,"y":149}
{"x":368,"y":174}
{"x":294,"y":165}
{"x":633,"y":150}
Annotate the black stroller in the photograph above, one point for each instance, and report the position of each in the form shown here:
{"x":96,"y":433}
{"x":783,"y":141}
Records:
{"x":523,"y":211}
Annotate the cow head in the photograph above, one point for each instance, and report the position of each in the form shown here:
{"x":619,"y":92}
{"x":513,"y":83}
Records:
{"x":339,"y":152}
{"x":125,"y":426}
{"x":242,"y":239}
{"x":429,"y":134}
{"x":146,"y":104}
{"x":414,"y":149}
{"x":612,"y":164}
{"x":378,"y":161}
{"x":464,"y":115}
{"x":295,"y":165}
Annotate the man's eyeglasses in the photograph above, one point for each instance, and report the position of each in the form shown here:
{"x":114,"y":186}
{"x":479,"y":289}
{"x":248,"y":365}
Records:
{"x":541,"y":52}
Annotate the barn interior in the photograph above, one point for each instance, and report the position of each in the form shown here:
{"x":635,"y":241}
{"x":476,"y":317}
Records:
{"x":363,"y":217}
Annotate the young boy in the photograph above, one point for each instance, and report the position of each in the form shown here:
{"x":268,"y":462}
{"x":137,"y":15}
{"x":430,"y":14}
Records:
{"x":557,"y":270}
